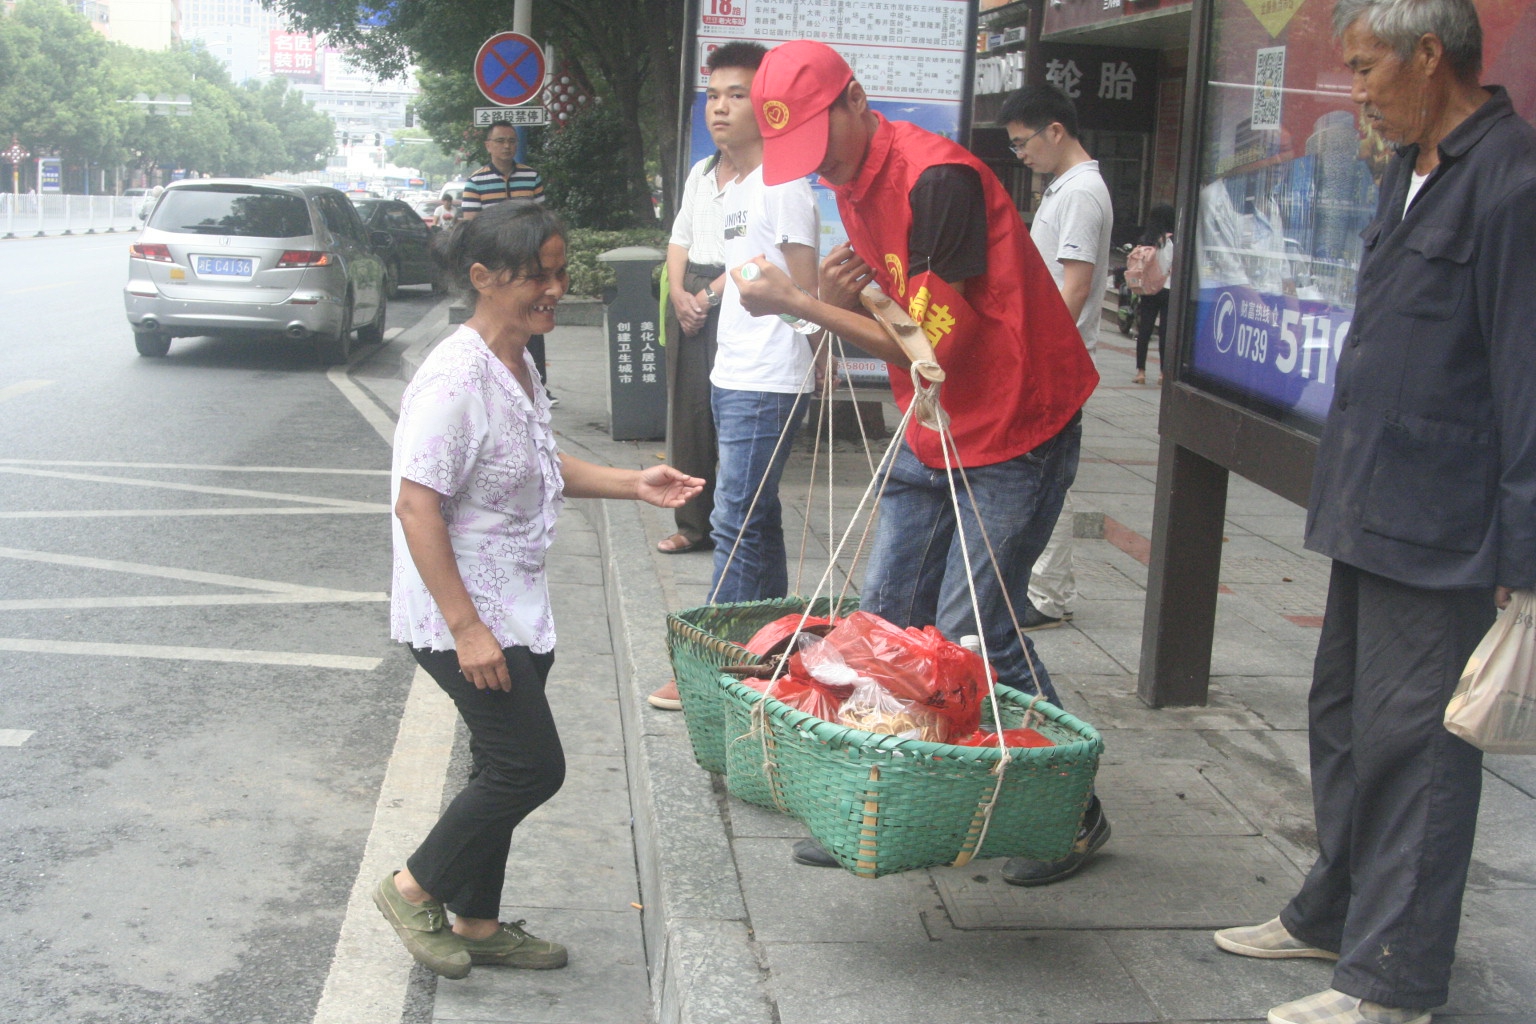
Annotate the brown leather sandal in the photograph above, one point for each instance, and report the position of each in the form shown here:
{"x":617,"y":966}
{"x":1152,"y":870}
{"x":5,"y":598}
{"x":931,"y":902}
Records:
{"x":679,"y":543}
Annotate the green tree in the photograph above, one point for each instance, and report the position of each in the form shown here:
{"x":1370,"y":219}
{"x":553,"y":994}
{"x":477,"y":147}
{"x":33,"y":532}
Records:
{"x":419,"y":150}
{"x":56,"y":93}
{"x":627,"y":48}
{"x":246,"y":131}
{"x":306,"y":136}
{"x":444,"y":109}
{"x":66,"y":90}
{"x":585,"y":177}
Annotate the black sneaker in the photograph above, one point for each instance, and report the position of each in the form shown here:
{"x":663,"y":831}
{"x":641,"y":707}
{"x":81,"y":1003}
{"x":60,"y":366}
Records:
{"x":1035,"y":619}
{"x":1093,"y":834}
{"x":812,"y":854}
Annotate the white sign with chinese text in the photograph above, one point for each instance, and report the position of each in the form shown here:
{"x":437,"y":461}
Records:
{"x":485,"y":116}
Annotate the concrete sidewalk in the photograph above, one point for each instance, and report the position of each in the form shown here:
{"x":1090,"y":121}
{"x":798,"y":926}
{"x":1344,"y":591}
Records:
{"x":1210,"y":806}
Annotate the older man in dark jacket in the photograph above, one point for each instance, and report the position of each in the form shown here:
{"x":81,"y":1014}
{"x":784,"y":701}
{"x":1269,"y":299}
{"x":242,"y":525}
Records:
{"x":1425,"y":497}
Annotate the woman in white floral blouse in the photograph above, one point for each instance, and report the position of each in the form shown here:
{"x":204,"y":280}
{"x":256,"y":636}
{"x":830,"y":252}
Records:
{"x":478,"y":483}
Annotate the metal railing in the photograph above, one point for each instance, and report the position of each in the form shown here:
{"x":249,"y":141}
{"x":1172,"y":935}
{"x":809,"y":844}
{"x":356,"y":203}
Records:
{"x":30,"y":215}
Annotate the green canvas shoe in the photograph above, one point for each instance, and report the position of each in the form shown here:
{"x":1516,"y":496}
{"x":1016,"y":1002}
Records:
{"x":513,"y":947}
{"x":424,"y":931}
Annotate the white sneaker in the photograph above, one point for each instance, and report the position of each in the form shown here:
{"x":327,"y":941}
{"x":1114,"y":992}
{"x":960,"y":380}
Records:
{"x":1333,"y":1007}
{"x":1268,"y":941}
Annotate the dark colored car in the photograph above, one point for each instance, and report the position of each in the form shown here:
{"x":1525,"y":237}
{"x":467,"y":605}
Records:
{"x":408,"y":255}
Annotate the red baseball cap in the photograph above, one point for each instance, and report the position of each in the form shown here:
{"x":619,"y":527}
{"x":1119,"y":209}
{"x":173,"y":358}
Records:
{"x":791,"y":93}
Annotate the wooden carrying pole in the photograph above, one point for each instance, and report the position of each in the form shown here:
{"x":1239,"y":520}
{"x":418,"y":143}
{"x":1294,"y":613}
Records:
{"x":904,"y":331}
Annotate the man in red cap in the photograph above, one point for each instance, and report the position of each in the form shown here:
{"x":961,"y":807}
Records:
{"x":933,"y":227}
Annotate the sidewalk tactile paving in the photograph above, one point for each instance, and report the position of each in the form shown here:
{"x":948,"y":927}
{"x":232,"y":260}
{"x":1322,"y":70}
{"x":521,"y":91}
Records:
{"x":1308,"y":572}
{"x":1101,"y":581}
{"x":1136,"y":882}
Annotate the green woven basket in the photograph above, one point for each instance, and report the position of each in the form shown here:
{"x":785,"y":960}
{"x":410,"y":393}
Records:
{"x":882,"y":805}
{"x":701,"y":641}
{"x":749,"y":752}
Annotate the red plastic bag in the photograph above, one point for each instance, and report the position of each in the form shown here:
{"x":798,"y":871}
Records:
{"x":810,"y":696}
{"x":773,"y":635}
{"x":801,"y":694}
{"x":918,"y":667}
{"x":1011,"y":738}
{"x":797,"y":687}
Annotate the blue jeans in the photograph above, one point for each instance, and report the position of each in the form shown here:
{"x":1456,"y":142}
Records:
{"x":747,"y":428}
{"x":917,"y":573}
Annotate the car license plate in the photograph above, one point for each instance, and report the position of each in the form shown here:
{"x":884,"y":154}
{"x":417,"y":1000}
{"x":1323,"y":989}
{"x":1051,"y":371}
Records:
{"x":224,"y":266}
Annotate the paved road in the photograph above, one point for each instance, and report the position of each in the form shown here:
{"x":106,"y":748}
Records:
{"x":198,"y":698}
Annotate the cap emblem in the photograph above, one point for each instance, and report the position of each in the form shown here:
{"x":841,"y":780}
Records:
{"x":776,"y":113}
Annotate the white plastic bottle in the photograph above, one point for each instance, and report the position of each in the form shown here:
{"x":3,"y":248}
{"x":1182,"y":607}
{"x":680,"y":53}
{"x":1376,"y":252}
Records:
{"x":750,"y":272}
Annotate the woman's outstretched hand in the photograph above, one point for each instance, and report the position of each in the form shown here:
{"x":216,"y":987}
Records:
{"x":666,"y":487}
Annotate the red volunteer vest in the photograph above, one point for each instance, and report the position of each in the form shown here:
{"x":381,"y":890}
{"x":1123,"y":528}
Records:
{"x":1016,"y":369}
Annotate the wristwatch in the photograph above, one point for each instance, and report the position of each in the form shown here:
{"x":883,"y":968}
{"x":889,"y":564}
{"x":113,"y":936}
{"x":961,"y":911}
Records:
{"x":711,"y":296}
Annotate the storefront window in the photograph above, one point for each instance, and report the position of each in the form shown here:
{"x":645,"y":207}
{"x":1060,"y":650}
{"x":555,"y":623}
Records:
{"x":1288,"y":180}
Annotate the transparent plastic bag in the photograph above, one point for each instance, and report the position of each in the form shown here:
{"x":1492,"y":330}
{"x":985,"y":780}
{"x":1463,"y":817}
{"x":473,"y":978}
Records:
{"x":873,"y":708}
{"x":1494,"y":706}
{"x":916,"y":666}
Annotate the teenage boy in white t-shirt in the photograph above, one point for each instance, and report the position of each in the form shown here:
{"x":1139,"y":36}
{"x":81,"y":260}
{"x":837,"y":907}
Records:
{"x":762,"y":366}
{"x":1071,"y":230}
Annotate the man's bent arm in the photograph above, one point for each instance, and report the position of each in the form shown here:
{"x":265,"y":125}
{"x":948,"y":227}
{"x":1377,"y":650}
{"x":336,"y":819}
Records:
{"x":774,"y":292}
{"x":1076,"y":282}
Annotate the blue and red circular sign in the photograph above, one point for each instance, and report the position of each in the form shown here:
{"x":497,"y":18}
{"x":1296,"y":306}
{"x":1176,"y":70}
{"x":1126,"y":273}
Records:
{"x":509,"y":69}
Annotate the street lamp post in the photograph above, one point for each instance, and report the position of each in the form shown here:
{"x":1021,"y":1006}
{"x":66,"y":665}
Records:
{"x":16,"y":154}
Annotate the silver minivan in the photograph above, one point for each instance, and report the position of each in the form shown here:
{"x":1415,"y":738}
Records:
{"x":255,"y":258}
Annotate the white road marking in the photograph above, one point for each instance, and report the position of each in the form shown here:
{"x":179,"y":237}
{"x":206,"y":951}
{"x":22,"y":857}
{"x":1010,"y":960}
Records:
{"x":234,"y":492}
{"x":23,"y":387}
{"x":249,"y":510}
{"x":183,"y":601}
{"x":370,"y":969}
{"x":188,"y":653}
{"x":14,"y":737}
{"x":190,"y":465}
{"x":170,"y":573}
{"x":393,"y":333}
{"x":39,"y":288}
{"x":370,"y":411}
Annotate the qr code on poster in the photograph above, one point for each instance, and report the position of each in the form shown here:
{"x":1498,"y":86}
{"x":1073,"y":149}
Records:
{"x":1268,"y":86}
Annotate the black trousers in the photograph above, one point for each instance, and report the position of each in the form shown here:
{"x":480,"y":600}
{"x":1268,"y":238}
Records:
{"x":1147,"y":311}
{"x":690,"y":423}
{"x":1394,"y":793}
{"x":536,"y":349}
{"x":518,"y":764}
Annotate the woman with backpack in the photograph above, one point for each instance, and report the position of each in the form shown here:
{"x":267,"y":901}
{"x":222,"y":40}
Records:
{"x":1147,"y":270}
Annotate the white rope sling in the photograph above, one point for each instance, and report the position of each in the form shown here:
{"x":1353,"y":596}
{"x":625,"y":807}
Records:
{"x":926,"y":408}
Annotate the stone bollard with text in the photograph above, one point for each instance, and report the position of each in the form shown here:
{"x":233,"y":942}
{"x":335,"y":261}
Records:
{"x":637,"y":376}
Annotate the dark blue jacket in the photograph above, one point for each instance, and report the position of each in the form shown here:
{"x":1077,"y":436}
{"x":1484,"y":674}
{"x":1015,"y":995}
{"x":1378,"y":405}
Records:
{"x":1426,"y":472}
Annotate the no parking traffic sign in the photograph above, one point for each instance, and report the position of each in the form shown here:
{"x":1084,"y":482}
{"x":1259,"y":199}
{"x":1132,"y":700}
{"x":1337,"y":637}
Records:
{"x":509,"y":69}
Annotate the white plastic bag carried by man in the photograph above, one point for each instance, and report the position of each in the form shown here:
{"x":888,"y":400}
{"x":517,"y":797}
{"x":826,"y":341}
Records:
{"x":1494,"y":706}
